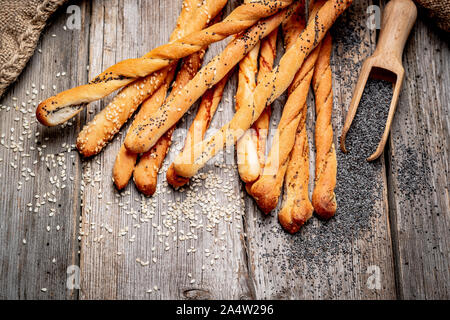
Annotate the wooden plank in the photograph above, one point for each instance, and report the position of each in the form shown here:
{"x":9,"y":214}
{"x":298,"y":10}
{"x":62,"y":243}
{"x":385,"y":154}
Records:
{"x":41,"y":174}
{"x":331,"y":260}
{"x":122,"y":232}
{"x":419,"y":168}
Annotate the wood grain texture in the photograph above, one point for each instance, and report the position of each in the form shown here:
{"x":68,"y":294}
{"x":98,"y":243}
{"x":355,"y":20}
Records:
{"x":33,"y":257}
{"x":219,"y":244}
{"x":419,"y":169}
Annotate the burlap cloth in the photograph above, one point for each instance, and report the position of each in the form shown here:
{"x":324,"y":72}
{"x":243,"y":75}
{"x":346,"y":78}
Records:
{"x":21,"y":22}
{"x":438,"y":11}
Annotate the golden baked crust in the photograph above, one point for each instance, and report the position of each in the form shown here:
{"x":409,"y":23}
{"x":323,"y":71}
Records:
{"x":323,"y":198}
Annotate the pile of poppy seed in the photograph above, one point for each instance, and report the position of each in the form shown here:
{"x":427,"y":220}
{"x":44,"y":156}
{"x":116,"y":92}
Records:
{"x":359,"y":186}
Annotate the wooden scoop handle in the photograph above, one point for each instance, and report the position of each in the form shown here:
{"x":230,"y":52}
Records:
{"x":398,"y":19}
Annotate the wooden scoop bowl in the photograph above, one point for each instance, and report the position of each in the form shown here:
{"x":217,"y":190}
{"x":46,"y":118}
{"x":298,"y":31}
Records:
{"x":385,"y":63}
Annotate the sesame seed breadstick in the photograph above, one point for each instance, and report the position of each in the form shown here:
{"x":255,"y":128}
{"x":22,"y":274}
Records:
{"x":106,"y":124}
{"x":206,"y":110}
{"x":267,"y":189}
{"x":323,"y":197}
{"x":67,"y":104}
{"x":261,"y":125}
{"x":247,"y":155}
{"x":123,"y":167}
{"x":272,"y":86}
{"x":147,"y":134}
{"x":126,"y":160}
{"x":98,"y":132}
{"x":146,"y":171}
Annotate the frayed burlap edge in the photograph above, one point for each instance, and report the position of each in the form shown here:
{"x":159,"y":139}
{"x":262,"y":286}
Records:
{"x":438,"y":11}
{"x":28,"y":41}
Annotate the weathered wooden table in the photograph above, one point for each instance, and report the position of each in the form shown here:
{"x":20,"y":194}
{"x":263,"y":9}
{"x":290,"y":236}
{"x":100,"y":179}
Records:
{"x":61,"y":220}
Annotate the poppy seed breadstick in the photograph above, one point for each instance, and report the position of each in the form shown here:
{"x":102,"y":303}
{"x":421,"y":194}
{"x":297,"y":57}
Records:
{"x":147,"y":134}
{"x":267,"y":189}
{"x":206,"y":110}
{"x":272,"y":86}
{"x":323,"y":197}
{"x":67,"y":104}
{"x":297,"y":207}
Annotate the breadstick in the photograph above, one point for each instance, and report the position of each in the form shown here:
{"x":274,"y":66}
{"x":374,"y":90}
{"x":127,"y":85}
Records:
{"x":323,"y":197}
{"x":272,"y":86}
{"x":267,"y":189}
{"x":247,"y":155}
{"x":261,"y":125}
{"x":98,"y":132}
{"x":145,"y":136}
{"x":297,"y":207}
{"x":146,"y":172}
{"x":208,"y":106}
{"x":67,"y":104}
{"x":123,"y":167}
{"x":126,"y":160}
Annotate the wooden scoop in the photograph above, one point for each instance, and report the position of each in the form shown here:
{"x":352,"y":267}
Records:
{"x":385,"y":63}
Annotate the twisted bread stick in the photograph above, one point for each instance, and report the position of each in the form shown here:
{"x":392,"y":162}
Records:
{"x":261,"y":125}
{"x":272,"y":86}
{"x":323,"y":198}
{"x":126,"y":160}
{"x":208,"y":106}
{"x":297,"y":208}
{"x":267,"y":189}
{"x":145,"y":136}
{"x":247,"y":155}
{"x":67,"y":104}
{"x":146,"y":172}
{"x":98,"y":132}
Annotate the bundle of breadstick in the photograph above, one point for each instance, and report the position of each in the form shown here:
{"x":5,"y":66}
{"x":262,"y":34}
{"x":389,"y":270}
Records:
{"x":270,"y":88}
{"x":290,"y":149}
{"x":146,"y":81}
{"x":145,"y":174}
